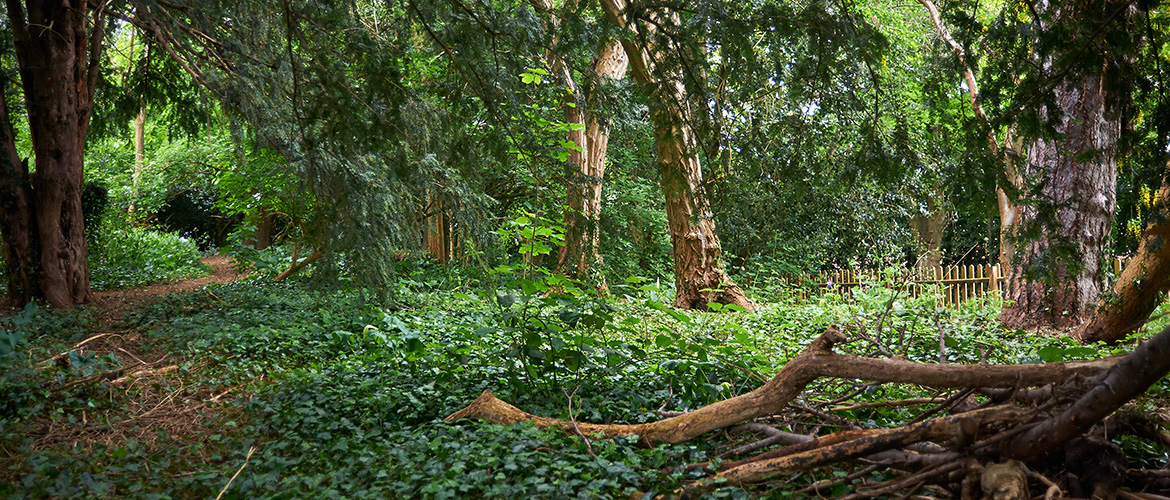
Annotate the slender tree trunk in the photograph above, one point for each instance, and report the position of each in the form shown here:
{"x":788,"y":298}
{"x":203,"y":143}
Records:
{"x":1058,"y":279}
{"x":699,"y":275}
{"x":438,"y":231}
{"x":1005,"y":202}
{"x":583,"y":217}
{"x":1143,"y":284}
{"x":139,"y":152}
{"x":58,"y":63}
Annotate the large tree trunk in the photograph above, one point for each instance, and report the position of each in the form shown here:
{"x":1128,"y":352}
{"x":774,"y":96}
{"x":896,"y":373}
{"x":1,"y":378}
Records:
{"x":1058,"y":279}
{"x":58,"y":63}
{"x":699,"y":275}
{"x":1143,"y":284}
{"x":583,"y":216}
{"x":20,"y":248}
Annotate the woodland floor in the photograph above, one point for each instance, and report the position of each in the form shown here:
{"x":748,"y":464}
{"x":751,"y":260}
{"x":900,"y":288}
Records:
{"x":152,"y":387}
{"x":110,"y":306}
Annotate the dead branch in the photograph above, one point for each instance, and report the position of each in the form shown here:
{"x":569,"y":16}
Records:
{"x":120,"y":381}
{"x":816,"y":361}
{"x":62,"y":360}
{"x":887,"y":404}
{"x":1110,"y":390}
{"x":906,"y":482}
{"x":940,"y":429}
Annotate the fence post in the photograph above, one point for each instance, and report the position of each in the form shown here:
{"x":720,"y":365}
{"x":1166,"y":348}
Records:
{"x":994,"y":280}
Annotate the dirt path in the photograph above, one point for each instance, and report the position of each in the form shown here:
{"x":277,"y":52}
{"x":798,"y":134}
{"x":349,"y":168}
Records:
{"x":111,"y":306}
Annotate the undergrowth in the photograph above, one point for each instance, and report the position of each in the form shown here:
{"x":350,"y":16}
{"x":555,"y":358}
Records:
{"x":333,"y":395}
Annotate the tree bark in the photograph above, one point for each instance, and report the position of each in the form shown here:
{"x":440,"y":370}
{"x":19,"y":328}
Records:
{"x":20,"y":248}
{"x":699,"y":275}
{"x":1143,"y":284}
{"x":1058,"y":279}
{"x":139,"y":152}
{"x":58,"y":57}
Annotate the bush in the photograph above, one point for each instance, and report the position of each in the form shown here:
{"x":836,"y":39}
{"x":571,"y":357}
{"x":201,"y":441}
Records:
{"x":131,"y":256}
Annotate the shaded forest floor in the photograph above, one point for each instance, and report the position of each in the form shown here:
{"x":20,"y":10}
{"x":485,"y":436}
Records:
{"x":111,"y":306}
{"x":256,"y":389}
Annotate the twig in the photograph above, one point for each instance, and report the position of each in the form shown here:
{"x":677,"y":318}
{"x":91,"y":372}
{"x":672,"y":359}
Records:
{"x":886,"y":404}
{"x":775,"y":436}
{"x":573,"y":420}
{"x":825,"y":483}
{"x":910,"y":480}
{"x":241,"y":469}
{"x":1053,"y":490}
{"x":951,"y":401}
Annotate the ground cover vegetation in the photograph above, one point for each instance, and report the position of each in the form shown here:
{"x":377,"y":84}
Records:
{"x":562,"y":249}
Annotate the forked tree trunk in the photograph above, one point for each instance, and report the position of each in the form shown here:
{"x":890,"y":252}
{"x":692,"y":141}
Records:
{"x":1143,"y":284}
{"x":1003,"y":154}
{"x":583,"y":216}
{"x":58,"y":58}
{"x":699,"y":276}
{"x":1057,"y":281}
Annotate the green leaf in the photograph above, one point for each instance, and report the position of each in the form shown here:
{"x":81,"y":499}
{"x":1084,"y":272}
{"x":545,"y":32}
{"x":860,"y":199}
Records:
{"x":663,"y":341}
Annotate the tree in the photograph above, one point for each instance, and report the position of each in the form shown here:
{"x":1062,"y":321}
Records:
{"x":1066,"y":223}
{"x":699,"y":275}
{"x":58,"y":47}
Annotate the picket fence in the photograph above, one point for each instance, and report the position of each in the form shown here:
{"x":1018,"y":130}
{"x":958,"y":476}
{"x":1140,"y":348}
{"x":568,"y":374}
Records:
{"x":957,"y":283}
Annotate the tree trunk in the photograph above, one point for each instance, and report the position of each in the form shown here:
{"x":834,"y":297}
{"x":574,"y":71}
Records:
{"x":1143,"y":284}
{"x":139,"y":152}
{"x":928,"y":234}
{"x":20,"y":248}
{"x":699,"y":275}
{"x":58,"y":66}
{"x":438,"y":230}
{"x":583,"y":216}
{"x":1058,"y":278}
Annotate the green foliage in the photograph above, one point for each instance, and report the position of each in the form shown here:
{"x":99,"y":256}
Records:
{"x":343,"y":397}
{"x":131,"y":256}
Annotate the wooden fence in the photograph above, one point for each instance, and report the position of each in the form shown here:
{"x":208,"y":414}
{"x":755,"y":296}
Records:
{"x":957,"y":283}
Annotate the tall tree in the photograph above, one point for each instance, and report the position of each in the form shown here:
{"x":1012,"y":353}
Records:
{"x":591,"y":137}
{"x":699,"y":275}
{"x":58,"y":46}
{"x":1066,"y":221}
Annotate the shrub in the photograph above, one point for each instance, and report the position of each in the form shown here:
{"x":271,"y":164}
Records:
{"x":131,"y":256}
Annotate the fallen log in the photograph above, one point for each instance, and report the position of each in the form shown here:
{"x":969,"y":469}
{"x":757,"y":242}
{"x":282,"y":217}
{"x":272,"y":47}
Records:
{"x":816,"y":361}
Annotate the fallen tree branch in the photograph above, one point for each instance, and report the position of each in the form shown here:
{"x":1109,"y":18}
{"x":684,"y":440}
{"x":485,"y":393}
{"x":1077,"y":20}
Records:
{"x":1108,"y":391}
{"x":816,"y":361}
{"x":951,"y":428}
